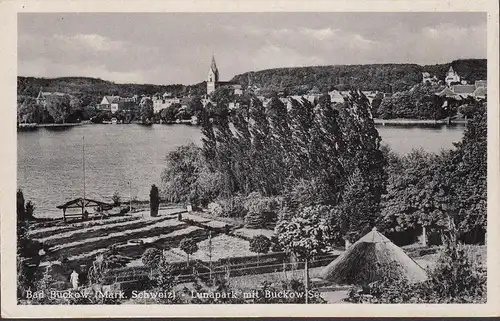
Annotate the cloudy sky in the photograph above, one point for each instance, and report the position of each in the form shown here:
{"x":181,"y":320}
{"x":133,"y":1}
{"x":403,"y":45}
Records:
{"x":171,"y":48}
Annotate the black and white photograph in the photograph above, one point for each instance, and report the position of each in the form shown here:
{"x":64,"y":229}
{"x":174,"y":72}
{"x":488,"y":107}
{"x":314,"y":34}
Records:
{"x":200,"y":158}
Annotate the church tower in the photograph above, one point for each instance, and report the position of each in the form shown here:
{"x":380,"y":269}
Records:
{"x":213,"y":77}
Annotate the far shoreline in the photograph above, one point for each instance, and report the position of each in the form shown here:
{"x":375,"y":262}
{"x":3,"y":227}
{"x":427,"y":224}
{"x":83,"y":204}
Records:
{"x":403,"y":121}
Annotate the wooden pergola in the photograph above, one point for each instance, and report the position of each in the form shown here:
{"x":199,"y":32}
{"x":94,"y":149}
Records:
{"x":83,"y":203}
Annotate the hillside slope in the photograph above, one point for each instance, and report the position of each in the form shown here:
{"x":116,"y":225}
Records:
{"x":382,"y":77}
{"x":91,"y":90}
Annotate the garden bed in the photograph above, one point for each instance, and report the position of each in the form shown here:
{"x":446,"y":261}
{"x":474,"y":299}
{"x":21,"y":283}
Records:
{"x":90,"y":244}
{"x":41,"y":232}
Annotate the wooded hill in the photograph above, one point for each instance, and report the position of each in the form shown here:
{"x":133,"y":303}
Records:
{"x":381,"y":77}
{"x":91,"y":90}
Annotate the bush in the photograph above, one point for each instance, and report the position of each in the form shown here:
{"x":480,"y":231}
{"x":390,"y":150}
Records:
{"x":234,"y":206}
{"x":151,"y":257}
{"x":116,"y":199}
{"x":261,"y":211}
{"x":216,"y":209}
{"x":455,"y":279}
{"x":260,"y":244}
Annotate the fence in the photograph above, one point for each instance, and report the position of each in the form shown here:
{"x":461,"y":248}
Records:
{"x":271,"y":263}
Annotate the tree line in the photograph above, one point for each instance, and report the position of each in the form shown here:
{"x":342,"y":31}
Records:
{"x":266,"y":164}
{"x":376,"y":77}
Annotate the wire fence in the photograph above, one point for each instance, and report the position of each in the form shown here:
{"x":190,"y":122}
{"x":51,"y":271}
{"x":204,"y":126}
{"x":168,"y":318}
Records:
{"x":232,"y":270}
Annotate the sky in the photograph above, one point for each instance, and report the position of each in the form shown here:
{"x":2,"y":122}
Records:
{"x":177,"y":48}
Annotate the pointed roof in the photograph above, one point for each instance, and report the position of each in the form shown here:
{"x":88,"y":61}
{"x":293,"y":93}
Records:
{"x":213,"y":66}
{"x":374,"y":237}
{"x":373,"y":257}
{"x":451,"y":70}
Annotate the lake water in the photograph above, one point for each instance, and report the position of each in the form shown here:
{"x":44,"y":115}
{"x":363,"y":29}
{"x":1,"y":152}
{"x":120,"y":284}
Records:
{"x":50,"y":161}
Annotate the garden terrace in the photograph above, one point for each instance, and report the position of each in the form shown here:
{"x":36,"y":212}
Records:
{"x":89,"y":244}
{"x":56,"y":227}
{"x":98,"y":230}
{"x":135,"y":251}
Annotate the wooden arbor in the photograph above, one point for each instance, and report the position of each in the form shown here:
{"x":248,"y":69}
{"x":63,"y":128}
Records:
{"x":82,"y":203}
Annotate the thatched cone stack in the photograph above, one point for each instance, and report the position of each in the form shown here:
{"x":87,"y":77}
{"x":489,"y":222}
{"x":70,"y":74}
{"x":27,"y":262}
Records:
{"x":373,"y":257}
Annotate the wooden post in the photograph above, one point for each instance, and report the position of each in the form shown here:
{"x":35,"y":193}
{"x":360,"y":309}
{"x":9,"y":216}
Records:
{"x":64,"y":214}
{"x":306,"y":283}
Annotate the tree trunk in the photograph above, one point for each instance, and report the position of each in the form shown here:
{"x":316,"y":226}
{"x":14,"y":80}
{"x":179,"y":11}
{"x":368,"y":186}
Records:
{"x":306,"y":283}
{"x":188,"y":259}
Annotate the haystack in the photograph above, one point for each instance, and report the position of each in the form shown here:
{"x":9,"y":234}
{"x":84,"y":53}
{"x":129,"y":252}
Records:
{"x":373,"y":257}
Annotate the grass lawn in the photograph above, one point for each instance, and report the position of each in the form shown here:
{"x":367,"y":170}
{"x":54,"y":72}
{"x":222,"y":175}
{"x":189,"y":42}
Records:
{"x":223,"y":246}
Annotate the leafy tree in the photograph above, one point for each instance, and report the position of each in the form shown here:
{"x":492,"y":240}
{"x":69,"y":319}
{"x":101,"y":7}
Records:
{"x":469,"y":179}
{"x":28,"y":111}
{"x":260,"y":244}
{"x":306,"y":235}
{"x":195,"y":107}
{"x":189,"y":247}
{"x":154,"y":200}
{"x":29,"y":209}
{"x":187,"y":178}
{"x":358,"y":212}
{"x":116,"y":199}
{"x":146,"y":108}
{"x":415,"y":197}
{"x":59,"y":107}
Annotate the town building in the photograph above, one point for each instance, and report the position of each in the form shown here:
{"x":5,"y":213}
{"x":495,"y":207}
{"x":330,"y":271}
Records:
{"x":41,"y":99}
{"x":451,"y":77}
{"x":459,"y":92}
{"x":336,"y":96}
{"x":428,"y":78}
{"x":117,"y":103}
{"x":464,"y":91}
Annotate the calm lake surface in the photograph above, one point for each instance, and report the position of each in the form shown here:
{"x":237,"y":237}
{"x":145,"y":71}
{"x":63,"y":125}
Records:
{"x":50,"y":171}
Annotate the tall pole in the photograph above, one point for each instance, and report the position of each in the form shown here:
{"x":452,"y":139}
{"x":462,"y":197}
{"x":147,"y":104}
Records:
{"x":83,"y":161}
{"x":210,"y":253}
{"x":306,"y":283}
{"x":130,"y":196}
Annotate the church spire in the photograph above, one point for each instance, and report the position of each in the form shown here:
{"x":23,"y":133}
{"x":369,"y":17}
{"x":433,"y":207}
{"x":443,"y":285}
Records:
{"x":213,"y":66}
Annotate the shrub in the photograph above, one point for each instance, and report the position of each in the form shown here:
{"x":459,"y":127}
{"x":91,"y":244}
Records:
{"x":154,"y":200}
{"x":261,"y":211}
{"x":151,"y":257}
{"x":116,"y":199}
{"x":260,"y":244}
{"x":275,"y":244}
{"x":233,"y":206}
{"x":216,"y":209}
